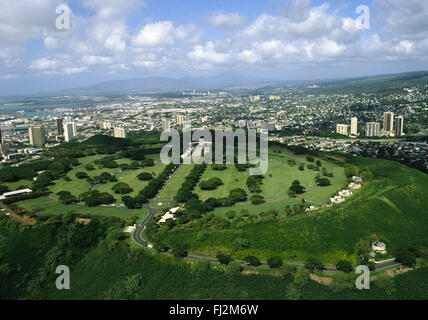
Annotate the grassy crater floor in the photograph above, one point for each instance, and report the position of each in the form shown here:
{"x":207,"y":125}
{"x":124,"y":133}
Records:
{"x":393,"y":204}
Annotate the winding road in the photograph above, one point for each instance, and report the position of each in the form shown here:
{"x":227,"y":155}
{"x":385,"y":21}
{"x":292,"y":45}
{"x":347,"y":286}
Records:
{"x":137,"y":238}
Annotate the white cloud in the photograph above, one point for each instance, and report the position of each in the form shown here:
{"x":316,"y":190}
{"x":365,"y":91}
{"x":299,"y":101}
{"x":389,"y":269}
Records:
{"x":44,"y":64}
{"x":94,"y":60}
{"x":226,"y":21}
{"x":104,"y":41}
{"x":164,"y":34}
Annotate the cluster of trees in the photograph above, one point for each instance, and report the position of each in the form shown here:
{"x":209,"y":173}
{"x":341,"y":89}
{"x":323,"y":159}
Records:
{"x":257,"y":199}
{"x":242,"y":167}
{"x":218,"y":167}
{"x":150,"y":190}
{"x":325,"y":173}
{"x":211,"y":184}
{"x":186,"y":191}
{"x":323,"y":182}
{"x":350,"y":171}
{"x":156,"y":184}
{"x":296,"y":188}
{"x":295,"y":209}
{"x":95,"y":198}
{"x":29,"y":170}
{"x":137,"y":155}
{"x":103,"y":178}
{"x":145,"y":176}
{"x":254,"y":183}
{"x":122,"y":188}
{"x":66,"y":197}
{"x":107,"y":162}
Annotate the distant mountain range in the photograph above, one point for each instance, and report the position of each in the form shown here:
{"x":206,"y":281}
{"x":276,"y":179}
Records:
{"x":256,"y":85}
{"x":159,"y":84}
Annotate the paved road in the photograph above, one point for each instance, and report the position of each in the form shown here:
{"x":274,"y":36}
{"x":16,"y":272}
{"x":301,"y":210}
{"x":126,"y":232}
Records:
{"x":136,"y":237}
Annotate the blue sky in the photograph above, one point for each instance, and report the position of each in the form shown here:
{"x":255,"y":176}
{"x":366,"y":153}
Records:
{"x":270,"y":39}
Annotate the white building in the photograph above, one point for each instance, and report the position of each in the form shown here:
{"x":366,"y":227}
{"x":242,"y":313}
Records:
{"x":15,"y":193}
{"x":180,"y":119}
{"x":354,"y":186}
{"x":119,"y":133}
{"x":345,"y":193}
{"x":399,"y":126}
{"x":68,"y":132}
{"x":388,"y":123}
{"x":379,"y":246}
{"x":106,"y":125}
{"x":372,"y":129}
{"x":342,"y":129}
{"x":337,"y":199}
{"x":354,"y":126}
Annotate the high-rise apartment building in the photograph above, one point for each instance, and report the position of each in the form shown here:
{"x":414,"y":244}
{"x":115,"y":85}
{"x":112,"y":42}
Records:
{"x":372,"y":129}
{"x":342,"y":129}
{"x":106,"y":125}
{"x":354,"y":126}
{"x":37,"y":136}
{"x":68,"y":132}
{"x":166,"y":125}
{"x":180,"y":119}
{"x":388,"y":123}
{"x":119,"y":133}
{"x":59,"y":127}
{"x":399,"y":126}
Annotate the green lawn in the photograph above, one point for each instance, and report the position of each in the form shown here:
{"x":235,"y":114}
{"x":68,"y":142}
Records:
{"x":169,"y":191}
{"x":282,"y":177}
{"x":231,"y":177}
{"x":77,"y":186}
{"x":392,"y":204}
{"x":15,"y":185}
{"x":130,"y":177}
{"x":46,"y":206}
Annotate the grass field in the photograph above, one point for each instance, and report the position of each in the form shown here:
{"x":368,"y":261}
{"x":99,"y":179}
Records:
{"x":45,"y":206}
{"x":77,"y":186}
{"x":130,"y":177}
{"x":231,"y":177}
{"x":276,"y":187}
{"x":392,"y":204}
{"x":169,"y":190}
{"x":15,"y":185}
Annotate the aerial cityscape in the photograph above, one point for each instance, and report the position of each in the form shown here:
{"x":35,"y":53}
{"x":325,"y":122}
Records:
{"x":131,"y":135}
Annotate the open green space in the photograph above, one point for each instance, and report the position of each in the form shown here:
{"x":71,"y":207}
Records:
{"x":392,"y":204}
{"x":77,"y":186}
{"x":170,"y":189}
{"x":231,"y":177}
{"x":17,"y":184}
{"x":130,"y":177}
{"x":45,"y":206}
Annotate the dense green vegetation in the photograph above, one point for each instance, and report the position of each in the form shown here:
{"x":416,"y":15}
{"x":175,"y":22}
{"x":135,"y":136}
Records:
{"x":104,"y":266}
{"x":392,"y":196}
{"x":225,"y":214}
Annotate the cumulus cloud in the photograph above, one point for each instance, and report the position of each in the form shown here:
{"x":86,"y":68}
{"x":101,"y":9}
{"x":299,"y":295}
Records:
{"x":302,"y":33}
{"x":226,"y":21}
{"x":163,"y":34}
